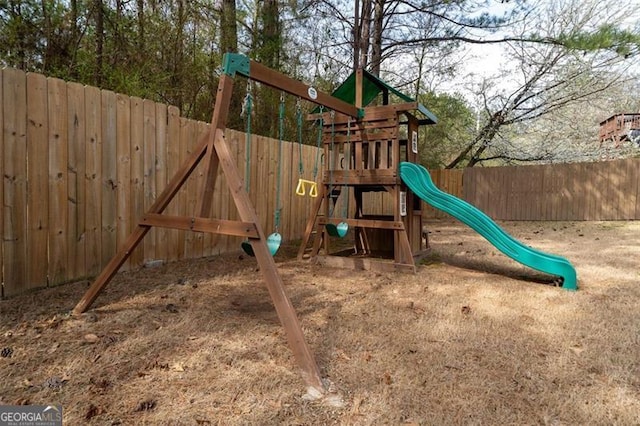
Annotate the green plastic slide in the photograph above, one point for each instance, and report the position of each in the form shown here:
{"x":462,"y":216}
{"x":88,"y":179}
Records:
{"x":417,"y":178}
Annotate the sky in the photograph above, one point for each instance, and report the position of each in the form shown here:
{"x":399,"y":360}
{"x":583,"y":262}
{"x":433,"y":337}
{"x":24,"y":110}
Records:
{"x":487,"y":60}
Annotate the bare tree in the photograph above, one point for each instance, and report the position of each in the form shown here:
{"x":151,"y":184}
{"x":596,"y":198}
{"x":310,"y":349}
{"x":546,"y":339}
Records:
{"x":548,"y":77}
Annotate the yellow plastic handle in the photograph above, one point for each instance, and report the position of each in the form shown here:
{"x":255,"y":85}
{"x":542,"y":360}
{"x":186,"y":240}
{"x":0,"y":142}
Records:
{"x":313,"y":191}
{"x":301,"y":189}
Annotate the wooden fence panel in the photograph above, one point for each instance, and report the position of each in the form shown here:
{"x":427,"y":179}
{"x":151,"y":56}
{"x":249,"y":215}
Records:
{"x":181,"y":196}
{"x":123,"y":173}
{"x":162,"y":139}
{"x":38,"y":181}
{"x":76,"y":169}
{"x":81,"y":165}
{"x":109,"y":181}
{"x":136,"y":191}
{"x":173,"y":163}
{"x":58,"y":160}
{"x":14,"y":181}
{"x":93,"y":175}
{"x":581,"y":191}
{"x":205,"y":238}
{"x":629,"y":180}
{"x":189,"y":197}
{"x":149,"y":155}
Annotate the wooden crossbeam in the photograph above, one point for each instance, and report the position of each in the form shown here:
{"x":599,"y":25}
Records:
{"x":199,"y":224}
{"x":364,"y":223}
{"x":263,"y":74}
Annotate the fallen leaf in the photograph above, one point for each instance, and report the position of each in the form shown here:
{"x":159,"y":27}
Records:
{"x":91,"y":338}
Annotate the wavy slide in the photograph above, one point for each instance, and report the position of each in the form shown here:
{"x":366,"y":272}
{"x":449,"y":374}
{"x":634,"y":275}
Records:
{"x":417,"y":178}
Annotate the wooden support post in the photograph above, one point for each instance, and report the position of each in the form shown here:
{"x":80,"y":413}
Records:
{"x":218,"y":121}
{"x":311,"y":222}
{"x":359,"y":80}
{"x":275,"y":286}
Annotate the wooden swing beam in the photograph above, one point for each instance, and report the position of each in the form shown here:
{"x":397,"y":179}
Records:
{"x":214,"y":150}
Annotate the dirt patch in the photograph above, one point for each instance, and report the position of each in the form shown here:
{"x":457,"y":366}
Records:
{"x":473,"y":337}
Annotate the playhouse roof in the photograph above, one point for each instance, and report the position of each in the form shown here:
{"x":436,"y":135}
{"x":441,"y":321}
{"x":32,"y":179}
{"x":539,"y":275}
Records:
{"x":371,"y":87}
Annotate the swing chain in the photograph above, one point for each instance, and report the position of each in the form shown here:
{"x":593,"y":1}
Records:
{"x":246,"y":102}
{"x":278,"y":209}
{"x":246,"y":113}
{"x":319,"y":142}
{"x":299,"y":126}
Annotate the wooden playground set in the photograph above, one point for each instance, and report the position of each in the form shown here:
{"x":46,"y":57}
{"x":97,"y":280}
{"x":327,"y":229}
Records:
{"x":368,"y":143}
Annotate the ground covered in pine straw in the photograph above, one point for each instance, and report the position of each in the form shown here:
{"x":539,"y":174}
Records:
{"x":472,"y":338}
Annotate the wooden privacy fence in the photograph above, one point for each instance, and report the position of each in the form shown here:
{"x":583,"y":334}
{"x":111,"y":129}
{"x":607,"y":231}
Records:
{"x":581,"y":191}
{"x":608,"y":190}
{"x":81,"y":165}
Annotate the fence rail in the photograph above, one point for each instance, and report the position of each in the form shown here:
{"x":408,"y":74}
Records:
{"x":81,"y":165}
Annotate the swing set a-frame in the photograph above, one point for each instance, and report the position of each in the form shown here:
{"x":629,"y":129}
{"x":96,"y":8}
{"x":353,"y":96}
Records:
{"x":213,"y":151}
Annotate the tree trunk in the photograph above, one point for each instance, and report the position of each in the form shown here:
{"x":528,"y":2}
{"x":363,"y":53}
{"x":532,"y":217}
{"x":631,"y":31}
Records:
{"x":365,"y":33}
{"x":228,"y":27}
{"x":269,"y":52}
{"x":99,"y":11}
{"x":229,"y":44}
{"x":271,"y":35}
{"x":140,"y":27}
{"x":47,"y":30}
{"x":376,"y":37}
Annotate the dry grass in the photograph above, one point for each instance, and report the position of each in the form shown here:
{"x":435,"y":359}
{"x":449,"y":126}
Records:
{"x":471,"y":339}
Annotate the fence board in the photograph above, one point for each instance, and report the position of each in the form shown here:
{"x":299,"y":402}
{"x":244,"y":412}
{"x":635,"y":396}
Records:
{"x":58,"y":160}
{"x":173,"y":164}
{"x":136,"y":192}
{"x":627,"y":204}
{"x":587,"y":188}
{"x":192,"y":186}
{"x":601,"y":190}
{"x":109,"y":180}
{"x":38,"y":181}
{"x":181,"y":197}
{"x":205,"y":238}
{"x":149,"y":155}
{"x":14,"y":181}
{"x":123,"y":172}
{"x":162,"y":136}
{"x":93,"y":175}
{"x":76,"y":182}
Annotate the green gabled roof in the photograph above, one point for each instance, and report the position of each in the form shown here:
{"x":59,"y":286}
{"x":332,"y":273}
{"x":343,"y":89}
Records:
{"x":371,"y":88}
